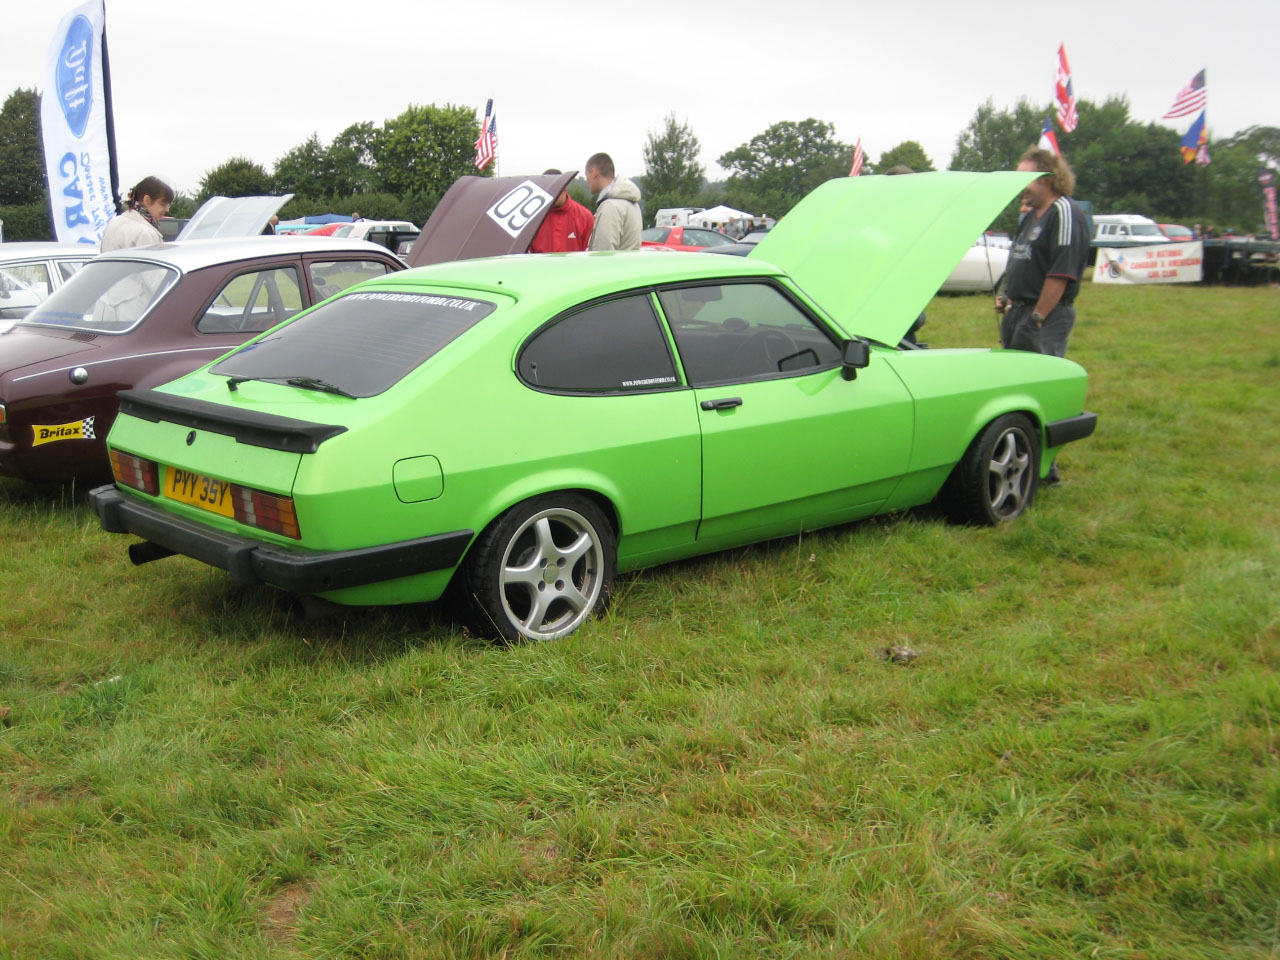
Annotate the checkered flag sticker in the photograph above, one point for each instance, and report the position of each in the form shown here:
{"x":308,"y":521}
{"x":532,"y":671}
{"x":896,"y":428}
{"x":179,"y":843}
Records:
{"x":88,"y":429}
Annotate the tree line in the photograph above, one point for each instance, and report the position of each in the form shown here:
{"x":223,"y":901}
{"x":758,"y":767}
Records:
{"x":399,"y":169}
{"x":1121,"y":165}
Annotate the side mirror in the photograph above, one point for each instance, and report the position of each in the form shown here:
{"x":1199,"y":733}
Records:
{"x":855,"y":355}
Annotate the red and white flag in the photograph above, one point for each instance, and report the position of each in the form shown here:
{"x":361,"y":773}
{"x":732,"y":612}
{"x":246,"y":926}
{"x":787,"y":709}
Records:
{"x":1048,"y":139}
{"x":1065,"y":94}
{"x":1191,"y":99}
{"x":487,"y":145}
{"x":857,"y":159}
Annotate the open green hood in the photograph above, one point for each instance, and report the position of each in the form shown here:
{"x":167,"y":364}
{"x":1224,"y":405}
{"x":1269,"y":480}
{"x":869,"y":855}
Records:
{"x":872,"y":251}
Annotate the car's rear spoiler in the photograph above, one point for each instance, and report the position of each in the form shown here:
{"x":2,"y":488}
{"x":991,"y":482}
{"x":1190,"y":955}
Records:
{"x":246,"y":426}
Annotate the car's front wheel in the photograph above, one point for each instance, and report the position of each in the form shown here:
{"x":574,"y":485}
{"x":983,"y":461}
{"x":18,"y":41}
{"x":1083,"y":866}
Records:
{"x":542,"y":568}
{"x":996,"y":479}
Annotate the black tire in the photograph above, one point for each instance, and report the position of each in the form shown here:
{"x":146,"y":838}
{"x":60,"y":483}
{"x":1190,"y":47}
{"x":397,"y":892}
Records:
{"x":997,"y":478}
{"x":541,"y":569}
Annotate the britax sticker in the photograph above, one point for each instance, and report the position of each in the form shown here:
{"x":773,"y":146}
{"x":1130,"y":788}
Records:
{"x":52,"y":433}
{"x":514,"y":209}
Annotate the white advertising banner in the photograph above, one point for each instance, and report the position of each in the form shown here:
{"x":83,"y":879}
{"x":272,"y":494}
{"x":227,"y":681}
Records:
{"x":73,"y":115}
{"x":1158,"y":263}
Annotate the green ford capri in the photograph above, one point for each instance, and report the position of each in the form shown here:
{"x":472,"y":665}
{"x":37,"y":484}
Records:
{"x":521,"y":429}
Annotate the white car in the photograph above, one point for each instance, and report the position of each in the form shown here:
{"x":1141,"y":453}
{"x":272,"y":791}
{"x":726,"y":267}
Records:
{"x":29,"y":272}
{"x":982,"y":266}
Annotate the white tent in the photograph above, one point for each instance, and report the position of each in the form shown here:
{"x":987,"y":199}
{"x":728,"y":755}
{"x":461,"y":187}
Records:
{"x":720,"y":214}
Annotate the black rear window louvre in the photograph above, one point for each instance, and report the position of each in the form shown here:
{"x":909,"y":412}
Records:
{"x":246,"y":426}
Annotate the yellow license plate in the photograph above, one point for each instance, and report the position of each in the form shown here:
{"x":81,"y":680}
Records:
{"x":199,"y":491}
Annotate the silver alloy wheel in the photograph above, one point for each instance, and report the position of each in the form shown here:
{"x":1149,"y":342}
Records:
{"x":551,"y":573}
{"x":1010,"y":477}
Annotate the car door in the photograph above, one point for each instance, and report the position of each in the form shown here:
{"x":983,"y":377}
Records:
{"x":611,"y":414}
{"x":787,"y":442}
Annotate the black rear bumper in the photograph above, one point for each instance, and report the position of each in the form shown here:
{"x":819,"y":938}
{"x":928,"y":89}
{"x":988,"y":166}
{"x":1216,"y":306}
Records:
{"x":296,"y":570}
{"x":1072,"y":428}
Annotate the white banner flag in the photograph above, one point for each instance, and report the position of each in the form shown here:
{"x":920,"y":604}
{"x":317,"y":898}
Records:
{"x":1157,"y":263}
{"x":73,"y":114}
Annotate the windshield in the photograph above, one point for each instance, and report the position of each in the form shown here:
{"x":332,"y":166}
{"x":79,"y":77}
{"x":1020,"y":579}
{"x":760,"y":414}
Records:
{"x":359,"y":344}
{"x":1146,"y":230}
{"x":105,"y":296}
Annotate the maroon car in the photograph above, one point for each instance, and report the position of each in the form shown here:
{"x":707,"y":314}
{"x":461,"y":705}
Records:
{"x":141,"y":317}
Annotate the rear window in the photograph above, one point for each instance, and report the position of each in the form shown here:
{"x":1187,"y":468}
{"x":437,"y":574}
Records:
{"x":362,"y":343}
{"x":106,"y":296}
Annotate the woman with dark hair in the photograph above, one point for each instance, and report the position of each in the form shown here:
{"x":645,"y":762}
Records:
{"x":137,"y":224}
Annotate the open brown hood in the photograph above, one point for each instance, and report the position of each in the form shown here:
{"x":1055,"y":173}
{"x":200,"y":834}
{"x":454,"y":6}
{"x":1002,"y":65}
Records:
{"x":487,"y":217}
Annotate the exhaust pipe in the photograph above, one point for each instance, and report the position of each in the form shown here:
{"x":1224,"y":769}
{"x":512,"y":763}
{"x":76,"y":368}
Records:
{"x":147,"y":551}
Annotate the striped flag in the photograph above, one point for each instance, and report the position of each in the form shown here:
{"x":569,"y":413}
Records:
{"x":1065,"y":94}
{"x":857,"y":159}
{"x":1191,"y":100}
{"x":1048,"y":139}
{"x":487,"y":145}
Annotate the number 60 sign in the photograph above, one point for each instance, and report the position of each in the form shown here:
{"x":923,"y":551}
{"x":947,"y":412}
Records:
{"x":514,"y":209}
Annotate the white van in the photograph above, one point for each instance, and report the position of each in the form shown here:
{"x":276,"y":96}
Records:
{"x":1125,"y":230}
{"x":675,"y":216}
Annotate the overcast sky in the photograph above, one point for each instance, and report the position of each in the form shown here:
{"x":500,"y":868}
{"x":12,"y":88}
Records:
{"x":196,"y":83}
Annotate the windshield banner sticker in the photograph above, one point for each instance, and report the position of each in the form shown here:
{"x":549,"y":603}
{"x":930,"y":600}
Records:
{"x":452,"y":303}
{"x":518,"y":206}
{"x":76,"y":430}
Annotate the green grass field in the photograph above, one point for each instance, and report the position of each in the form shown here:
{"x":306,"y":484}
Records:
{"x":1082,"y":761}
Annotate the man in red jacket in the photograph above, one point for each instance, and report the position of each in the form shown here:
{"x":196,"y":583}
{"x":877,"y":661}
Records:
{"x":566,"y":228}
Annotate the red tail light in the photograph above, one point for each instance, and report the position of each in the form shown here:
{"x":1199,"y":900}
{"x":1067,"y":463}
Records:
{"x":265,"y":511}
{"x":136,"y":472}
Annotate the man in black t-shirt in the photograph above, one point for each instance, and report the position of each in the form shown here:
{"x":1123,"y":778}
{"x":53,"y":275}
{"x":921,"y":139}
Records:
{"x":1046,"y":262}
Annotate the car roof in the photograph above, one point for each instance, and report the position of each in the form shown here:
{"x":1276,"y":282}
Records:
{"x":1121,"y":218}
{"x":573,"y":277}
{"x":190,"y":255}
{"x":45,"y":248}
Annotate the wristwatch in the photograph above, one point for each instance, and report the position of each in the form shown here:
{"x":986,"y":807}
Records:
{"x":1039,"y":320}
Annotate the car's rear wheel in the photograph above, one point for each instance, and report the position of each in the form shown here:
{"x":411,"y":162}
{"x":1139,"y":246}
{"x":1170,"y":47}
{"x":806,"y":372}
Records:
{"x":996,"y":479}
{"x":541,"y":569}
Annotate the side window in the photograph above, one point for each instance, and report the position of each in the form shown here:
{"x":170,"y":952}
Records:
{"x":33,"y":276}
{"x":253,"y":301}
{"x":713,"y":239}
{"x":68,"y":268}
{"x":22,"y":286}
{"x":608,"y":347}
{"x":333,"y":276}
{"x":743,"y":331}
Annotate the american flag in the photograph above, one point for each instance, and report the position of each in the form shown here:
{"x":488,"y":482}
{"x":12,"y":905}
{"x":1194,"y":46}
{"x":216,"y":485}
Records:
{"x":1191,"y":100}
{"x":487,"y":145}
{"x":1065,"y":94}
{"x":857,"y":159}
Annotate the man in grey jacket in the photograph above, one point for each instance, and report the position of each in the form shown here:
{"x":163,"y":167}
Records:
{"x":618,"y":221}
